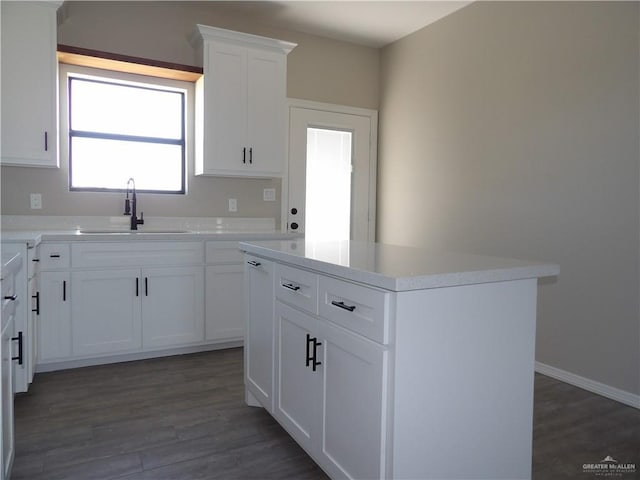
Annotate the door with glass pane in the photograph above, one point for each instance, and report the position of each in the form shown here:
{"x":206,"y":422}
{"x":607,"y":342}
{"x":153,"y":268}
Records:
{"x":331,"y":174}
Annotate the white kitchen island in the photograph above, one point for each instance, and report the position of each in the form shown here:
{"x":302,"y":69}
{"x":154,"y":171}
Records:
{"x":393,"y":362}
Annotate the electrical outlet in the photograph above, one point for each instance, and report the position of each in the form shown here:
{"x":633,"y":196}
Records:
{"x":36,"y":201}
{"x":269,"y":194}
{"x":233,"y":205}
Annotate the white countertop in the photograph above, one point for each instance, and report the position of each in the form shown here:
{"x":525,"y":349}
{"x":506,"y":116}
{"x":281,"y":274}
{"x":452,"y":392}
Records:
{"x":11,"y":263}
{"x":398,"y":268}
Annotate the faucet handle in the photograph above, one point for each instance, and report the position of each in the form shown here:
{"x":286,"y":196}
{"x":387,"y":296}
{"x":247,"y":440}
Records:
{"x":127,"y":207}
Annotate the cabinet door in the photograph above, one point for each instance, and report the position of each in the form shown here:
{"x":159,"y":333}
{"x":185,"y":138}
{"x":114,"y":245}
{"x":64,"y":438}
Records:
{"x":7,"y":440}
{"x":54,"y":327}
{"x":172,"y":306}
{"x":259,"y":330}
{"x":106,"y":311}
{"x":298,"y":386}
{"x":225,"y":109}
{"x":266,"y":113}
{"x":224,"y":302}
{"x":29,"y":84}
{"x":354,"y":396}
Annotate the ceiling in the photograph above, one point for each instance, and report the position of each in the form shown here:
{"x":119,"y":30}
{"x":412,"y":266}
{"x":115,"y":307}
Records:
{"x":369,"y":23}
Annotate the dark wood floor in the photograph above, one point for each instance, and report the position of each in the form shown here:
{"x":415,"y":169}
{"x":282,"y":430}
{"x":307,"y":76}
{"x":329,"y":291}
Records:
{"x":183,"y":418}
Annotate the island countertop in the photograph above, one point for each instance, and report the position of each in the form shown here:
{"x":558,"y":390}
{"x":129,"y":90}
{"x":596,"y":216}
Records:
{"x":398,"y":268}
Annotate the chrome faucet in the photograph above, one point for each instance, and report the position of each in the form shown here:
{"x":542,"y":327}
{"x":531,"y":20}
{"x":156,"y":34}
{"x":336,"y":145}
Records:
{"x":130,"y":207}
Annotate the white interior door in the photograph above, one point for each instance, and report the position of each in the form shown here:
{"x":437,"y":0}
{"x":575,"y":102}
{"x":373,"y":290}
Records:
{"x":332,"y":166}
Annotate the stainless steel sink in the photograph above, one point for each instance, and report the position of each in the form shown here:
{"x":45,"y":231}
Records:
{"x":125,"y":232}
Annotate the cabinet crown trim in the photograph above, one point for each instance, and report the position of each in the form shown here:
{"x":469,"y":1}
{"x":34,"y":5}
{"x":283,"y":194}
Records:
{"x":206,"y":33}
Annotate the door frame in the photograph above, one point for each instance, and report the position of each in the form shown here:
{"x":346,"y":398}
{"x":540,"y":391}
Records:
{"x":372,"y":115}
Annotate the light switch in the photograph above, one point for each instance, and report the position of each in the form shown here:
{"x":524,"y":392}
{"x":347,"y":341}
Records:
{"x":233,"y":205}
{"x":269,"y":194}
{"x":36,"y":201}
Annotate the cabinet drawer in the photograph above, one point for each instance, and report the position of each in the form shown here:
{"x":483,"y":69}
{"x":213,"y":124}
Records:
{"x":223,"y":253}
{"x":141,"y":254}
{"x":297,"y":287}
{"x":356,"y":307}
{"x":54,"y":256}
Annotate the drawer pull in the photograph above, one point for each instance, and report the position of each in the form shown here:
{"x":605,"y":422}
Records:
{"x":20,"y":348}
{"x":11,"y":297}
{"x":291,"y":286}
{"x":342,"y":305}
{"x":35,"y":259}
{"x":54,"y":255}
{"x":253,"y":263}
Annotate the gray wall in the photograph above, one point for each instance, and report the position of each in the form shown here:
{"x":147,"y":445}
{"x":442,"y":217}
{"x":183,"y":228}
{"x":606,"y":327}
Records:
{"x":512,"y":129}
{"x":318,"y":69}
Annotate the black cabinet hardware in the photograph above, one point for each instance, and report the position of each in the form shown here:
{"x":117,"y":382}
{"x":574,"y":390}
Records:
{"x":46,"y":141}
{"x":11,"y":297}
{"x":315,"y":363}
{"x":244,"y":155}
{"x":291,"y":286}
{"x":312,"y":359}
{"x":342,"y":305}
{"x":19,"y":340}
{"x":146,"y":286}
{"x":35,"y":259}
{"x":250,"y":155}
{"x":137,"y":287}
{"x":37,"y":297}
{"x":308,"y":350}
{"x":54,"y":255}
{"x":64,"y":290}
{"x":253,"y":263}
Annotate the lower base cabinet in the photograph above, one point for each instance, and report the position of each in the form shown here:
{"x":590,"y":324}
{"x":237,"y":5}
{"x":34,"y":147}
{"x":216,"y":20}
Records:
{"x":224,"y":302}
{"x":7,"y":441}
{"x":54,"y":327}
{"x":328,"y":393}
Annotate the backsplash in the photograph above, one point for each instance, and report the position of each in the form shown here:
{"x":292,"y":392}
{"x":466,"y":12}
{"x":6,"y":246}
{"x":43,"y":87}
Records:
{"x":197,"y":224}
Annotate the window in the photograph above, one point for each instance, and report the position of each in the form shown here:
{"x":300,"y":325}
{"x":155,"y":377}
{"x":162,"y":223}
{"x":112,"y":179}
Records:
{"x":123,"y":126}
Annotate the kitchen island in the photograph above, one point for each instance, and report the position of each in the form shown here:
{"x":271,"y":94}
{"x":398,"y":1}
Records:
{"x":393,"y":362}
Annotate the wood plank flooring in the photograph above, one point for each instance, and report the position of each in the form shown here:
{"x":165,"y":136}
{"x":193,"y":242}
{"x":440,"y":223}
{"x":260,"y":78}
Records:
{"x":184,"y":418}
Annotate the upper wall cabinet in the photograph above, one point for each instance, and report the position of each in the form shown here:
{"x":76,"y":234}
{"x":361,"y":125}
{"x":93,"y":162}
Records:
{"x":240,"y":104}
{"x":29,"y":84}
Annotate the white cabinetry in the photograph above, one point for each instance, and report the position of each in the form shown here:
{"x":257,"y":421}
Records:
{"x":29,"y":84}
{"x":258,"y":351}
{"x":54,"y":328}
{"x":411,"y":364}
{"x":240,"y":104}
{"x":224,"y":297}
{"x":25,"y":322}
{"x":106,"y":311}
{"x":331,"y":391}
{"x":172,"y":306}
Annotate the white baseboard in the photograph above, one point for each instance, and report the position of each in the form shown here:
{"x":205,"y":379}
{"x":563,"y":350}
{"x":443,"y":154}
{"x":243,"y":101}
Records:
{"x":613,"y":393}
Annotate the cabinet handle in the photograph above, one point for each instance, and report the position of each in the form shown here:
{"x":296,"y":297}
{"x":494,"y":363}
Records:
{"x":35,"y":259}
{"x":342,"y":305}
{"x":251,"y":155}
{"x":253,"y":263}
{"x":244,"y":155}
{"x":291,"y":286}
{"x":309,"y":358}
{"x":64,"y":290}
{"x":13,"y":297}
{"x":137,"y":287}
{"x":315,"y":363}
{"x":146,"y":286}
{"x":37,"y":297}
{"x":19,"y":340}
{"x":46,"y":141}
{"x":54,"y":255}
